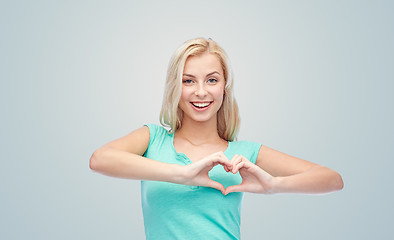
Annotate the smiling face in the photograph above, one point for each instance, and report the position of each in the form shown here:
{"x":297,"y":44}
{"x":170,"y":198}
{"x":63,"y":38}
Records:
{"x":203,"y":85}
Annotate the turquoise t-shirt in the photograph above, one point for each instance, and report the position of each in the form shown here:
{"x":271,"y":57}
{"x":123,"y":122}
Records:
{"x":176,"y":211}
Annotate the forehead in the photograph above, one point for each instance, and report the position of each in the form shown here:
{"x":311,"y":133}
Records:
{"x":206,"y":62}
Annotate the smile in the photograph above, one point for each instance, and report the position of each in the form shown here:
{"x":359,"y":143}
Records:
{"x":200,"y":106}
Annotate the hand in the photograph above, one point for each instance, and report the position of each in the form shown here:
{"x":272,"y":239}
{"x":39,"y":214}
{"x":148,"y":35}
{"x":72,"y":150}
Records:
{"x":254,"y":179}
{"x":196,"y":174}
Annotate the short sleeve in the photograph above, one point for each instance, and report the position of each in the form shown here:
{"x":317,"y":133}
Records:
{"x":254,"y":150}
{"x":248,"y":149}
{"x":152,"y":132}
{"x":158,"y":139}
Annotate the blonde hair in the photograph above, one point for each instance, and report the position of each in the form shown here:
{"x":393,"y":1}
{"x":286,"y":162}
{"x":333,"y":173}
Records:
{"x":171,"y":115}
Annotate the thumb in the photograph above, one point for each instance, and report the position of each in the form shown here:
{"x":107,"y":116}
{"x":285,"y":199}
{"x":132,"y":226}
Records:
{"x":216,"y":185}
{"x":234,"y":188}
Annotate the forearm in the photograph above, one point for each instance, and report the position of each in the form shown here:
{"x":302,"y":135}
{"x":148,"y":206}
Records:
{"x":121,"y":164}
{"x":318,"y":179}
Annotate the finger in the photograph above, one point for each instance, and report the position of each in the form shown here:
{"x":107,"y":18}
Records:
{"x":241,"y":165}
{"x":212,"y":160}
{"x":236,"y":161}
{"x":234,"y":188}
{"x":234,"y":158}
{"x":226,"y":168}
{"x":222,"y":159}
{"x":215,"y":159}
{"x":216,"y":185}
{"x":229,"y":167}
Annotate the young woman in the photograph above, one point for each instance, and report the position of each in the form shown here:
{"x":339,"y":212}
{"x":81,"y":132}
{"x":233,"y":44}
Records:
{"x":194,"y":174}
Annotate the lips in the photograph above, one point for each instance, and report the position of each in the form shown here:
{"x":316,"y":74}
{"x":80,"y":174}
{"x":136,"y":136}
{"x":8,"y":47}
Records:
{"x":201,"y":106}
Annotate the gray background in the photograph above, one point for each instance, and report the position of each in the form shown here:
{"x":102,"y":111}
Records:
{"x":313,"y":79}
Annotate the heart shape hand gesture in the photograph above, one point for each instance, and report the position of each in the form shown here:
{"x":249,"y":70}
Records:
{"x":254,"y":179}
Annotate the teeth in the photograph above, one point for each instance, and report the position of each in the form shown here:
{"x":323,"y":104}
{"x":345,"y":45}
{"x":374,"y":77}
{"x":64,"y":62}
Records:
{"x":201,"y":105}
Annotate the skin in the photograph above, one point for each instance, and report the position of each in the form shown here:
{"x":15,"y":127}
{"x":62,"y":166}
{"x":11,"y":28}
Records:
{"x":203,"y":83}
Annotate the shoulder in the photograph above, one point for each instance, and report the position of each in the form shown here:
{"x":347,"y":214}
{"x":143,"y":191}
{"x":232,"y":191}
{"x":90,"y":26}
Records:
{"x":156,"y":132}
{"x":155,"y":128}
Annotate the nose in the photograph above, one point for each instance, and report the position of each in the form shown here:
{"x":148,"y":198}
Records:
{"x":201,"y":91}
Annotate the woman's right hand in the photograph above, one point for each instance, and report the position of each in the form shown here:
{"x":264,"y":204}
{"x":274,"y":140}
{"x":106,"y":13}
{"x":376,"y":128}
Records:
{"x":196,"y":173}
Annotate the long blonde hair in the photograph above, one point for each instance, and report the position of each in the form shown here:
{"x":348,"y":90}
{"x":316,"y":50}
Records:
{"x":171,"y":115}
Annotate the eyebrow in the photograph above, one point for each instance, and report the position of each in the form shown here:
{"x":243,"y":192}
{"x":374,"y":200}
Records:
{"x":209,"y":74}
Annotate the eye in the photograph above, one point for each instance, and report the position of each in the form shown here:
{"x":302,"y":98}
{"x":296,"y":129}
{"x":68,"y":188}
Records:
{"x":212,"y":80}
{"x":188,"y":81}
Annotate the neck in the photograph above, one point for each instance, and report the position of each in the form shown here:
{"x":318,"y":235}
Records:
{"x":199,"y":133}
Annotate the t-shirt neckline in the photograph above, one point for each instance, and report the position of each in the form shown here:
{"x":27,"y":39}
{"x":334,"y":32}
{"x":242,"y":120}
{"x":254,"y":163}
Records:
{"x":183,"y":154}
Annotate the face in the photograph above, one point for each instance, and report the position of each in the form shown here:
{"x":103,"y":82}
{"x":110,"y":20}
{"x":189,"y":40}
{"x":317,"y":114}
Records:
{"x":202,"y":88}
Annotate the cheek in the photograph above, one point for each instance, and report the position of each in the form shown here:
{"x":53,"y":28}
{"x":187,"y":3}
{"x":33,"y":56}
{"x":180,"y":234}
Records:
{"x":185,"y":95}
{"x":185,"y":98}
{"x":219,"y":94}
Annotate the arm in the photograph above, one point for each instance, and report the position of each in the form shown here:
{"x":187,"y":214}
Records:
{"x":276,"y":172}
{"x":123,"y":158}
{"x":297,"y":175}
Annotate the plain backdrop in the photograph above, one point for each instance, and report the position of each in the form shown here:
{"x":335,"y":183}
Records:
{"x":313,"y":79}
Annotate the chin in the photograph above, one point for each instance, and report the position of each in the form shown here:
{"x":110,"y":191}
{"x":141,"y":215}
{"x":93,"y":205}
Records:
{"x":200,"y":119}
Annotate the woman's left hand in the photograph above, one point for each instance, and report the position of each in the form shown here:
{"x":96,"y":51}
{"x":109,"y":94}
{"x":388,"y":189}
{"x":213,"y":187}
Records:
{"x":254,"y":179}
